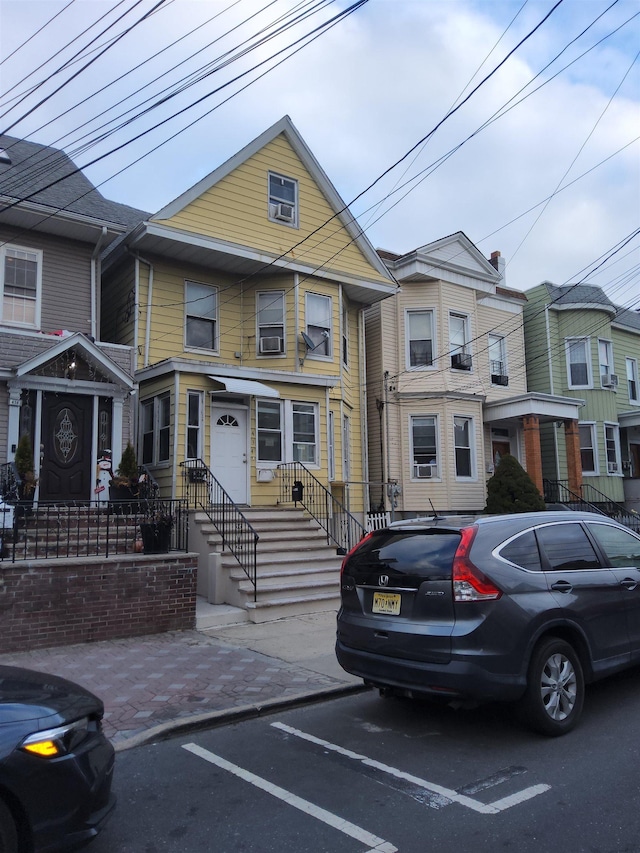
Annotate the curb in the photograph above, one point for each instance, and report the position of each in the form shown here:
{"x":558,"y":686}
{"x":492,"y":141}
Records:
{"x":211,"y":719}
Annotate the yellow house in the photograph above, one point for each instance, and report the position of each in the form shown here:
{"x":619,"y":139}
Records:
{"x":244,"y":302}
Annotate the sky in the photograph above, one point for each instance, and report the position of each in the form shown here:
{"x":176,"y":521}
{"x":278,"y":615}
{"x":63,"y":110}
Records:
{"x":503,"y":119}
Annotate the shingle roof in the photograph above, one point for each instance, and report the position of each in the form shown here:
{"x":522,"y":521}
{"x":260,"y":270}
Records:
{"x":589,"y":294}
{"x":44,"y":175}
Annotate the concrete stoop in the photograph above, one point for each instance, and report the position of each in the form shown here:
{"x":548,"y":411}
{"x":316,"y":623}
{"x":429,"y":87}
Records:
{"x":297,"y":571}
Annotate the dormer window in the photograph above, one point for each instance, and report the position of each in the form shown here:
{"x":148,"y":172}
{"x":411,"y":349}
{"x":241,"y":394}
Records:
{"x":283,"y":200}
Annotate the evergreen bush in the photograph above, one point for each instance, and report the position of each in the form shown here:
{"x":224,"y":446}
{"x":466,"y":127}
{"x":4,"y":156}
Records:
{"x":511,"y":489}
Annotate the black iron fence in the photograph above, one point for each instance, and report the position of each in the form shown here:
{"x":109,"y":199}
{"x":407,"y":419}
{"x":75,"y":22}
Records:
{"x":590,"y":500}
{"x":36,"y":531}
{"x":299,"y":486}
{"x":203,"y":492}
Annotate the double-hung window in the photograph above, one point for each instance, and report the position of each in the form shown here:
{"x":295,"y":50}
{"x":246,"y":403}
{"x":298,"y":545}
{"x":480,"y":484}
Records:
{"x":612,"y":448}
{"x":498,"y":360}
{"x":419,"y":335}
{"x":287,"y":431}
{"x":270,"y":314}
{"x":194,"y":425}
{"x":459,"y":337}
{"x":283,"y":200}
{"x":345,"y":335}
{"x":463,"y":444}
{"x":424,"y":447}
{"x":21,"y":285}
{"x":318,"y":325}
{"x":578,"y":362}
{"x":605,"y":356}
{"x":155,"y":427}
{"x":588,"y":455}
{"x":201,"y":315}
{"x":269,"y":418}
{"x":632,"y":380}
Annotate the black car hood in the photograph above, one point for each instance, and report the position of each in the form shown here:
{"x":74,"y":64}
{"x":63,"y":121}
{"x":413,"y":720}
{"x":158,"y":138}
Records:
{"x":29,"y":695}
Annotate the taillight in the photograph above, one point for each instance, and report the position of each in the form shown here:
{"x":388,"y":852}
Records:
{"x":469,"y":583}
{"x":355,"y":548}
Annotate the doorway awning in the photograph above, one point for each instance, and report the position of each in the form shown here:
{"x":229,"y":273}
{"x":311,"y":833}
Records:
{"x":245,"y":386}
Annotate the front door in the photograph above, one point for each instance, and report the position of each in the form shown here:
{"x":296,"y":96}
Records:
{"x":229,"y":450}
{"x":66,"y":464}
{"x":498,"y":450}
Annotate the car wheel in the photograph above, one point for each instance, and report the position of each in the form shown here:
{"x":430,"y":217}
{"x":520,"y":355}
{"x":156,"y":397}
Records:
{"x":8,"y":834}
{"x":553,"y":700}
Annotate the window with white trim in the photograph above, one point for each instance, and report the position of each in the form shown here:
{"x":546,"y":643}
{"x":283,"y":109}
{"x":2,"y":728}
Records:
{"x":194,"y":424}
{"x":459,"y":337}
{"x":497,"y":359}
{"x":424,"y":447}
{"x":632,"y":380}
{"x":463,"y":446}
{"x":605,"y":357}
{"x":588,"y":448}
{"x":283,"y":200}
{"x":21,"y":285}
{"x":578,"y":367}
{"x":612,"y":448}
{"x":318,"y":310}
{"x":269,"y":420}
{"x":305,"y":440}
{"x":419,"y":337}
{"x":345,"y":335}
{"x":287,"y":431}
{"x":201,"y":301}
{"x":270,"y":318}
{"x":346,"y":448}
{"x":155,"y":429}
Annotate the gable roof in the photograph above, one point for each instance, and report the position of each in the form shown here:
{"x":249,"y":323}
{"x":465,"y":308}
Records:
{"x":185,"y":244}
{"x":453,"y":258}
{"x":41,"y":188}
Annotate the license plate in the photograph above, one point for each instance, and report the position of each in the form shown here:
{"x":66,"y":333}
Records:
{"x":386,"y":602}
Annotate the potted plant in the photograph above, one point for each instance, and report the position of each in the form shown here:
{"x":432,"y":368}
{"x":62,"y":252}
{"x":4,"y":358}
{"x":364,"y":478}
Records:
{"x":124,"y":487}
{"x":155,"y":530}
{"x":26,"y":470}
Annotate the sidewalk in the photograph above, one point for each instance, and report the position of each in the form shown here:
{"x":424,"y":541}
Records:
{"x":156,"y":684}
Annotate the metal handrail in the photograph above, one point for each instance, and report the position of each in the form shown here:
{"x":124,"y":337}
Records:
{"x":555,"y":491}
{"x":614,"y":509}
{"x":299,"y":485}
{"x":48,"y":529}
{"x":205,"y":493}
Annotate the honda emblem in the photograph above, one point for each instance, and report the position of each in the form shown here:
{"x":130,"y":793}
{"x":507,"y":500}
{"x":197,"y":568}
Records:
{"x":383,"y":580}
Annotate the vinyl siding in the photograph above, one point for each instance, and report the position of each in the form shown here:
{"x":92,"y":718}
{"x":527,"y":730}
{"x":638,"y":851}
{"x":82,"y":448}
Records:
{"x":236,"y":210}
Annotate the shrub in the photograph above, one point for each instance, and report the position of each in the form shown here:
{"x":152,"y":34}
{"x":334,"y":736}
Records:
{"x":511,"y":489}
{"x":128,"y":468}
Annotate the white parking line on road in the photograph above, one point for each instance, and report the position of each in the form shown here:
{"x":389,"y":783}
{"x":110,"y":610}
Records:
{"x":446,"y":793}
{"x":375,"y":844}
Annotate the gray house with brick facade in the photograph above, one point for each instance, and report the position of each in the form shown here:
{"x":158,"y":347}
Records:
{"x":59,"y":383}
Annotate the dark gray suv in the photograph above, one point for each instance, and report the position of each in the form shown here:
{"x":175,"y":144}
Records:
{"x":524,"y":607}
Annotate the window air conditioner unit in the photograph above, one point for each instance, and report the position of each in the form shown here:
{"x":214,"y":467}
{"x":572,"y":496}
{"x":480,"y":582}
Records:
{"x":499,"y":379}
{"x":424,"y":472}
{"x":272,"y":344}
{"x":461,"y":361}
{"x":609,"y":380}
{"x":285,"y":212}
{"x":612,"y":467}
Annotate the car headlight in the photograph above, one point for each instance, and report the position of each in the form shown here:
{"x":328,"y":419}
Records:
{"x":52,"y":743}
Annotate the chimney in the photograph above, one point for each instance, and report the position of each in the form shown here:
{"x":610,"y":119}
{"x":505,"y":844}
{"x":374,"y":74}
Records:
{"x":496,"y":260}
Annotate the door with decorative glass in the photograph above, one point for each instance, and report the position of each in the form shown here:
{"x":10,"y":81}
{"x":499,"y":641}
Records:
{"x":229,"y":450}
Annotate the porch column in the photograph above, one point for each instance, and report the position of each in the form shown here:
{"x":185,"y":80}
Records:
{"x":13,"y":426}
{"x":574,"y":463}
{"x":533,"y":454}
{"x":116,"y":431}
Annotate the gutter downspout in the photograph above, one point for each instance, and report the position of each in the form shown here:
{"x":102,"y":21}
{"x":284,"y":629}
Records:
{"x":147,"y":332}
{"x":551,"y":386}
{"x":95,"y":278}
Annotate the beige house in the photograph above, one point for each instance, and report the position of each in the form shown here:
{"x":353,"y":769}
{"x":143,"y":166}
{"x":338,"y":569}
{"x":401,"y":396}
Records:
{"x":447,"y":393}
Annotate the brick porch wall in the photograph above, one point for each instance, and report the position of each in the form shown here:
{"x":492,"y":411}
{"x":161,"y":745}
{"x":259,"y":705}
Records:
{"x":59,"y":602}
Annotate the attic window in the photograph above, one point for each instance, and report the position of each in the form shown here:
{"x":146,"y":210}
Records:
{"x":283,"y":200}
{"x":4,"y":157}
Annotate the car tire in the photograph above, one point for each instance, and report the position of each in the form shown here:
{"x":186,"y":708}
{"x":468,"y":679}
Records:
{"x":8,"y":832}
{"x":552,"y":703}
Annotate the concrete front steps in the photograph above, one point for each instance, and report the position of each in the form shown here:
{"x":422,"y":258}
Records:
{"x":297,"y":571}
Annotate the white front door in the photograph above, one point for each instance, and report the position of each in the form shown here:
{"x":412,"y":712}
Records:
{"x":229,"y":450}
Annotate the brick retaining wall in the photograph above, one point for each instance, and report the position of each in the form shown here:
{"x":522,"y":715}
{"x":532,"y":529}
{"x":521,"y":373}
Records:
{"x":58,"y":602}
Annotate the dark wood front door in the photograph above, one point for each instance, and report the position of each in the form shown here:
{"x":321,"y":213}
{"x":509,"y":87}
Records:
{"x":66,"y":465}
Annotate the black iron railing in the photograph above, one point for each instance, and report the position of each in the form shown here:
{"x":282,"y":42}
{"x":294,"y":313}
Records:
{"x":299,"y":485}
{"x":43,"y":530}
{"x":203,"y":492}
{"x":591,"y":500}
